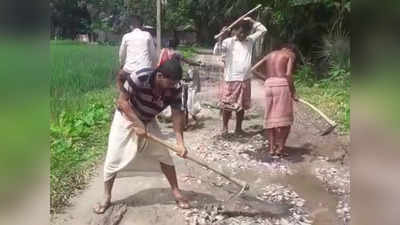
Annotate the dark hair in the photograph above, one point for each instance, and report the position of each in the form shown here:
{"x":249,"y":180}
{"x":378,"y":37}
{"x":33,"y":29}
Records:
{"x":293,"y":48}
{"x":136,"y":21}
{"x":290,"y":46}
{"x":171,"y":69}
{"x":245,"y":25}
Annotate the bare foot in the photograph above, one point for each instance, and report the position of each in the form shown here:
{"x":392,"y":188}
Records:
{"x":239,"y":132}
{"x":180,"y":200}
{"x":281,"y":152}
{"x":271,"y":151}
{"x":101,"y":207}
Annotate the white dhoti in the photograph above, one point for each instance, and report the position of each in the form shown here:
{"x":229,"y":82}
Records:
{"x":128,"y":155}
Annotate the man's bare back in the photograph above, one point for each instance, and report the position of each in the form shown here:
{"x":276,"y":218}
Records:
{"x":279,"y":63}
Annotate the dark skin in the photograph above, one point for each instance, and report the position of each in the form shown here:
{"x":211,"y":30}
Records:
{"x":278,"y":63}
{"x":162,"y":86}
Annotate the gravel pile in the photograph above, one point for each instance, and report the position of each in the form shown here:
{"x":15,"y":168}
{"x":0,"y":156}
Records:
{"x":242,"y":152}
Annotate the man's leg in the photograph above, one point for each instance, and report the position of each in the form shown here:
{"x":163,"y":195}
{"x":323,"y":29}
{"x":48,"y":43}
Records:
{"x":271,"y":140}
{"x":186,"y":123}
{"x":102,"y":206}
{"x":283,"y":135}
{"x":170,"y":173}
{"x":226,"y":116}
{"x":239,"y":121}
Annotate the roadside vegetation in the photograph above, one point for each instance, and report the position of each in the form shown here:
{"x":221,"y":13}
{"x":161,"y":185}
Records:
{"x":82,"y":97}
{"x":329,"y":87}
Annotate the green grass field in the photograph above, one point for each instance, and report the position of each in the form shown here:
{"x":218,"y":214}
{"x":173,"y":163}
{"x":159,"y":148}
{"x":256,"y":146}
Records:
{"x":78,"y":69}
{"x":82,"y":97}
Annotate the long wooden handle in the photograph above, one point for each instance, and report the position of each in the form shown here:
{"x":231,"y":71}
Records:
{"x":331,"y":122}
{"x":257,"y":64}
{"x":173,"y":148}
{"x":237,"y":21}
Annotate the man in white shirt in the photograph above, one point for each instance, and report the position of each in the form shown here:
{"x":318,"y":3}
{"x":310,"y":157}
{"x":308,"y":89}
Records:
{"x":137,"y":52}
{"x":237,"y":50}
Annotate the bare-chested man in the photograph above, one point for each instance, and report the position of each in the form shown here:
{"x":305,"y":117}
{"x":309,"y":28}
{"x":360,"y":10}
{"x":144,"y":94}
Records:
{"x":280,"y":92}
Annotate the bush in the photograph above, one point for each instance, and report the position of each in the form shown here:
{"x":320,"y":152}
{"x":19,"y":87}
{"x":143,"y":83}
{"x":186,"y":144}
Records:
{"x":305,"y":75}
{"x":335,"y":50}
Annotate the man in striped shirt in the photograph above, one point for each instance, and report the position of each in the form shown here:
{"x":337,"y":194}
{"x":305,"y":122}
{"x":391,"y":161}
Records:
{"x":143,"y":95}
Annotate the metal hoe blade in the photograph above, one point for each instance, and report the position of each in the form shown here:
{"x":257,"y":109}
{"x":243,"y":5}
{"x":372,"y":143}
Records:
{"x":245,"y":188}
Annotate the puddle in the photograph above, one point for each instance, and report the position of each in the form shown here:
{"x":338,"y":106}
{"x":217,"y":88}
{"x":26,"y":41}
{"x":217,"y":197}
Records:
{"x":321,"y":203}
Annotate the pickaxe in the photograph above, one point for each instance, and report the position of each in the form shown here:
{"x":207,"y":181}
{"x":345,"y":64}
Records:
{"x":237,"y":21}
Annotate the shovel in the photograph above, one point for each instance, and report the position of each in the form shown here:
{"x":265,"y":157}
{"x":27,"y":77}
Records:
{"x":243,"y":185}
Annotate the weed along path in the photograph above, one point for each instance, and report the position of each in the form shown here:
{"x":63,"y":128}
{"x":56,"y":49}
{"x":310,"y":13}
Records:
{"x":310,"y":186}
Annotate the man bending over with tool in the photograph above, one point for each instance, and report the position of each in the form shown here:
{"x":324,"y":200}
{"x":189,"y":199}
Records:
{"x":279,"y":95}
{"x":142,"y":96}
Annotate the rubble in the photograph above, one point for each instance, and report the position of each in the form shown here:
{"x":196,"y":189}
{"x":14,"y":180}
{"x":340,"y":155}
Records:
{"x":215,"y":214}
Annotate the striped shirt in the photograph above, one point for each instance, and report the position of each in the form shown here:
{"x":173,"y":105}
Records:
{"x":145,"y":104}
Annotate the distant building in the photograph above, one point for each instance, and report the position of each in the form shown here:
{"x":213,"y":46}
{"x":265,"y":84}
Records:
{"x":83,"y":38}
{"x":186,"y":34}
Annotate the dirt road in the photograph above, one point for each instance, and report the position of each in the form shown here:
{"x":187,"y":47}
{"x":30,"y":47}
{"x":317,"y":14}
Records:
{"x":311,"y":186}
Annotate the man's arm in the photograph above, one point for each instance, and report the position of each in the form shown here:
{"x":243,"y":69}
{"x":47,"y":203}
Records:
{"x":259,"y":75}
{"x":122,"y":52}
{"x":125,"y":106}
{"x":221,"y":47}
{"x":121,"y":78}
{"x":218,"y":47}
{"x":289,"y":76}
{"x":260,"y":29}
{"x":178,"y":121}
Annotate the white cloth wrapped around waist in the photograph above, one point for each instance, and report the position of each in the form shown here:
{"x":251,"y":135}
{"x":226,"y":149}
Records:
{"x":128,"y":155}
